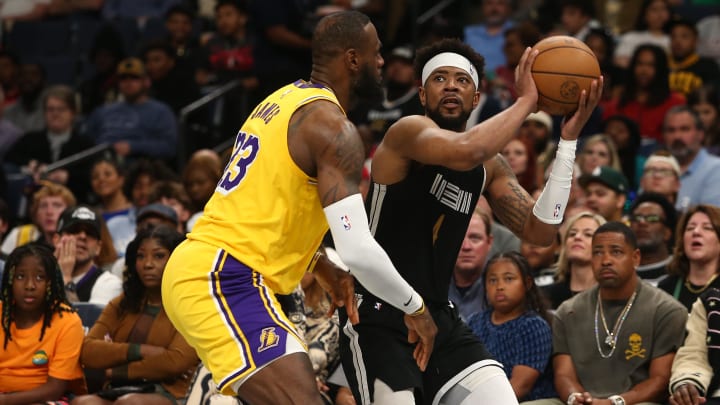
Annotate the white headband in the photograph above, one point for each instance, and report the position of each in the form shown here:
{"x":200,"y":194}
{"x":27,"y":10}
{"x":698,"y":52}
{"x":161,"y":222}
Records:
{"x":449,"y":59}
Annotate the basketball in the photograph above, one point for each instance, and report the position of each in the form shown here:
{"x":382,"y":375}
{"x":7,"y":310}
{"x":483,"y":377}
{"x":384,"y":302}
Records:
{"x":564,"y":67}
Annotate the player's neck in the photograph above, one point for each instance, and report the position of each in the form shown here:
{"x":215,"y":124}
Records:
{"x":340,"y":87}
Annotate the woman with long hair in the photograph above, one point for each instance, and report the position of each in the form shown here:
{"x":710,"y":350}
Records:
{"x":107,"y":182}
{"x":696,"y":259}
{"x":646,"y":97}
{"x":520,"y":155}
{"x":574,"y":267}
{"x":133,"y":340}
{"x":706,"y":103}
{"x":650,"y":28}
{"x":625,"y":135}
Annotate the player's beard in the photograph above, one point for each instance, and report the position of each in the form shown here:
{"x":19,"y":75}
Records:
{"x":368,"y":86}
{"x":456,"y":124}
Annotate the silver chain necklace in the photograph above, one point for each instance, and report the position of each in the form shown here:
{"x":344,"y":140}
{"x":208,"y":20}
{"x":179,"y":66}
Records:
{"x":611,"y":337}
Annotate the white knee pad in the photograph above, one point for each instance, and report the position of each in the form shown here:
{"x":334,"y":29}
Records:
{"x":384,"y":395}
{"x":481,"y":383}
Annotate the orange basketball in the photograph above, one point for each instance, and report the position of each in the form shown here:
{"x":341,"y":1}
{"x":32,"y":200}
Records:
{"x":563,"y":68}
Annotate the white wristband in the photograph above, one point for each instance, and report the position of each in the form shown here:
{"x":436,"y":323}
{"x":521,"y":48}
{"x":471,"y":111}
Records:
{"x":550,"y":206}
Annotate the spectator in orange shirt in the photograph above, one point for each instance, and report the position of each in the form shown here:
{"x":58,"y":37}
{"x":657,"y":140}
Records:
{"x":41,"y":335}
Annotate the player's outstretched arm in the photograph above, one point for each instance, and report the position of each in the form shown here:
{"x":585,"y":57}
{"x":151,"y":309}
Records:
{"x":338,"y":155}
{"x":535,"y":221}
{"x":420,"y":139}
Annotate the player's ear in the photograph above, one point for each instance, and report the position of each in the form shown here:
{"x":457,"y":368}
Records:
{"x":422,"y":95}
{"x":352,"y":60}
{"x":476,"y":99}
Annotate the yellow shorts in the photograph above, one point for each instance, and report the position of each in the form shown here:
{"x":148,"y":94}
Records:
{"x":226,"y":312}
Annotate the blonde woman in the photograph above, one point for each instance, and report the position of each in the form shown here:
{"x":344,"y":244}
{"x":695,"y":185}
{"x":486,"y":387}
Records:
{"x":598,"y":150}
{"x":574,"y":267}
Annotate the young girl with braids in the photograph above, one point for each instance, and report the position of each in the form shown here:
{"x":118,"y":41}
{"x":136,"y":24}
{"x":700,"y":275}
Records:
{"x":516,"y":326}
{"x":41,"y":335}
{"x":146,"y":361}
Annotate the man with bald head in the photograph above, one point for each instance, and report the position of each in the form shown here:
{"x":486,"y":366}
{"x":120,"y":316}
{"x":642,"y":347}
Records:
{"x":427,"y":175}
{"x":294,"y":171}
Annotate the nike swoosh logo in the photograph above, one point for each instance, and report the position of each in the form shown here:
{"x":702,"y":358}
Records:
{"x":408,"y":302}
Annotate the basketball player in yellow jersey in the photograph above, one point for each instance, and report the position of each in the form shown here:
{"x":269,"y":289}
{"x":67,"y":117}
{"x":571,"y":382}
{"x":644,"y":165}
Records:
{"x":294,"y":171}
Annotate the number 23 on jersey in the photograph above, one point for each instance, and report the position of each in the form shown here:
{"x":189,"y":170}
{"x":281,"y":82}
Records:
{"x":244,"y":154}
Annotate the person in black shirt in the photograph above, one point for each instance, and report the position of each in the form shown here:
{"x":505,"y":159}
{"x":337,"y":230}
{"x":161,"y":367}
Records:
{"x":427,"y":176}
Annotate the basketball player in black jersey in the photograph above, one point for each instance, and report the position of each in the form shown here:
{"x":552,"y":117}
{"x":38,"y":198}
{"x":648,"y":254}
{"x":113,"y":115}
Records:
{"x":427,"y":175}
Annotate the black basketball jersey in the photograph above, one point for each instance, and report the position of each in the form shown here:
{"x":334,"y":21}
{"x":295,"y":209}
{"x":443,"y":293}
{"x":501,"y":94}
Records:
{"x":421,"y":223}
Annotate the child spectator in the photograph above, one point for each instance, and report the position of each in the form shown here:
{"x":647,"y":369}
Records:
{"x":229,"y":51}
{"x":41,"y":335}
{"x":516,"y":327}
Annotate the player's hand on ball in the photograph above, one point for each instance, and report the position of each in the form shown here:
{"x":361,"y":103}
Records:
{"x":572,"y":125}
{"x":422,"y":331}
{"x":524,"y":82}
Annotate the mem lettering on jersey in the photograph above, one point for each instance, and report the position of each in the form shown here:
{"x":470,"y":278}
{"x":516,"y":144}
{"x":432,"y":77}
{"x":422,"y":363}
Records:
{"x":451,"y":195}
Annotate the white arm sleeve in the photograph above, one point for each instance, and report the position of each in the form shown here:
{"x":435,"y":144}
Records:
{"x":550,"y":206}
{"x":367,"y":261}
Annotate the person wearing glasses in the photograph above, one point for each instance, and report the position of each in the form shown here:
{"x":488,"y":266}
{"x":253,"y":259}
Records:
{"x":661,"y":175}
{"x":652,"y":219}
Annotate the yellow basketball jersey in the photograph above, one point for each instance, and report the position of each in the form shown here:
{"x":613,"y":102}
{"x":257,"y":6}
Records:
{"x":265,"y":210}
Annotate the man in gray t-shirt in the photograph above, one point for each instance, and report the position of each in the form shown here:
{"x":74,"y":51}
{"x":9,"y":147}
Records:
{"x":620,"y":351}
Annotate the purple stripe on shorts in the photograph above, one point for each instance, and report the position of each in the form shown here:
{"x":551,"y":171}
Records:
{"x":249,"y":311}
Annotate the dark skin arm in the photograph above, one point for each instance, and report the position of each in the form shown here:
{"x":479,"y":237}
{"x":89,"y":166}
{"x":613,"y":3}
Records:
{"x":50,"y":391}
{"x":522,"y":379}
{"x":566,"y":381}
{"x":510,"y":202}
{"x":650,"y":390}
{"x":513,"y":205}
{"x":687,"y":394}
{"x":654,"y":388}
{"x":338,"y":283}
{"x":326,"y":145}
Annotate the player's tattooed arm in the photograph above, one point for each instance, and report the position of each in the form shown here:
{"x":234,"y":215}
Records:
{"x":509,"y":201}
{"x":337,"y":150}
